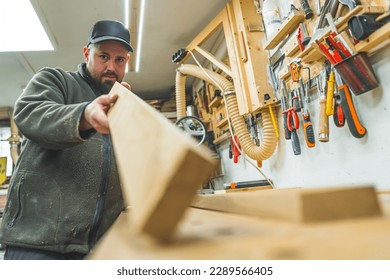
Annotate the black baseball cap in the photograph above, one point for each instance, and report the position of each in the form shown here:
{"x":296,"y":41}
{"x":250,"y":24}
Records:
{"x":104,"y":30}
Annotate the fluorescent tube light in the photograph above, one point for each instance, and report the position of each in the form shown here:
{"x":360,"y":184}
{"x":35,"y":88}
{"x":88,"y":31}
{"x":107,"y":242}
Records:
{"x":127,"y":11}
{"x":140,"y":32}
{"x":21,"y":29}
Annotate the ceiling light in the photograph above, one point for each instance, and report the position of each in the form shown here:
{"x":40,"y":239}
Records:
{"x":126,"y":9}
{"x":21,"y":29}
{"x":140,"y":31}
{"x":134,"y":20}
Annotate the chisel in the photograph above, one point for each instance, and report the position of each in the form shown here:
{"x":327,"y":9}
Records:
{"x":307,"y":125}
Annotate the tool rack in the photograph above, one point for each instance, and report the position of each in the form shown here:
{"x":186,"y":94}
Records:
{"x":250,"y":52}
{"x":312,"y":56}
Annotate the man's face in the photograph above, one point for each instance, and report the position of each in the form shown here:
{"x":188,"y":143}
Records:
{"x":106,"y":62}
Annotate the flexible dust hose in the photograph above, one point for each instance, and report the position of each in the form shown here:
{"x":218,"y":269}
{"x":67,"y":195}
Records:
{"x":259,"y":153}
{"x":180,"y":89}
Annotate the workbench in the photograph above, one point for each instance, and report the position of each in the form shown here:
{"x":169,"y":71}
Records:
{"x":208,"y":235}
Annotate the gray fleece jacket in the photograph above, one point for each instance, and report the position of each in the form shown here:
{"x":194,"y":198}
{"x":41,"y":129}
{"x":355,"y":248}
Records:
{"x":65,"y":191}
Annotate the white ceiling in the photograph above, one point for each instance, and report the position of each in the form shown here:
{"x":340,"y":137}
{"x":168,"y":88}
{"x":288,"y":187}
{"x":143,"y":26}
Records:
{"x":169,"y":26}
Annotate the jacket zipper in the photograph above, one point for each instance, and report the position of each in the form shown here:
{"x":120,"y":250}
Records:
{"x":16,"y":215}
{"x":102,"y":190}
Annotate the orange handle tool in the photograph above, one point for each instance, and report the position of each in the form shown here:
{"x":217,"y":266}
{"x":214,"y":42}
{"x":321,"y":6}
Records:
{"x":353,"y":122}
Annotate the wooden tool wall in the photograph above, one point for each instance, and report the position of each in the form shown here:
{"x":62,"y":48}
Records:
{"x":252,"y":56}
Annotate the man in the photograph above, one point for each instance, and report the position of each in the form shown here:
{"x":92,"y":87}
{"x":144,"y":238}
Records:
{"x":65,"y":191}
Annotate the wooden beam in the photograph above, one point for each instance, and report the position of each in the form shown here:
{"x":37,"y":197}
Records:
{"x":160,"y":168}
{"x":206,"y":33}
{"x":214,"y":235}
{"x":297,"y":205}
{"x":214,"y":60}
{"x":380,"y":36}
{"x":288,"y":26}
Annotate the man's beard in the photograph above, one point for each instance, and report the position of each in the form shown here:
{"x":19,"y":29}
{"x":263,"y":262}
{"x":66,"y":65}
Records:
{"x":106,"y":85}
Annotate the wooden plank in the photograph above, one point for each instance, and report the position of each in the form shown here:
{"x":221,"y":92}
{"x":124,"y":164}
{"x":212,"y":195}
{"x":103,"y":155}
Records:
{"x":260,"y":91}
{"x":214,"y":60}
{"x":221,"y":138}
{"x":160,"y":168}
{"x":206,"y":33}
{"x":297,"y":205}
{"x":240,"y":77}
{"x":284,"y":74}
{"x":313,"y":54}
{"x":291,"y":47}
{"x":212,"y":235}
{"x":375,"y":39}
{"x":288,"y":26}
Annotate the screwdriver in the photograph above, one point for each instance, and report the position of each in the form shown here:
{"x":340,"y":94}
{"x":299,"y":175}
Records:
{"x":329,"y":95}
{"x":307,"y":125}
{"x":293,"y":125}
{"x":287,"y":132}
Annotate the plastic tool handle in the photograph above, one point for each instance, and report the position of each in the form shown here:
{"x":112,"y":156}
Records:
{"x":236,"y":149}
{"x":287,"y":132}
{"x":309,"y":132}
{"x":338,"y":116}
{"x":296,"y":100}
{"x":323,"y":131}
{"x":296,"y":146}
{"x":329,"y":95}
{"x":356,"y":128}
{"x":292,"y":119}
{"x":283,"y":100}
{"x":306,"y":8}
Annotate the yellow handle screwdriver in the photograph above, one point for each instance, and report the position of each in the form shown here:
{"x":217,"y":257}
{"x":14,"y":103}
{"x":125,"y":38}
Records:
{"x":329,"y":95}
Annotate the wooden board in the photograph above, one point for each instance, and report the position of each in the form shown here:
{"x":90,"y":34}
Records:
{"x":288,"y":26}
{"x":297,"y":205}
{"x":253,"y":69}
{"x":380,"y":36}
{"x":291,"y":47}
{"x":160,"y":168}
{"x":212,"y":235}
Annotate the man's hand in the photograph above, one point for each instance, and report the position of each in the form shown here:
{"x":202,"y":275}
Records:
{"x":95,"y":114}
{"x":126,"y":85}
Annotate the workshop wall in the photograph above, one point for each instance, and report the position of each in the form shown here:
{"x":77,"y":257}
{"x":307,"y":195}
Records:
{"x":344,"y":160}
